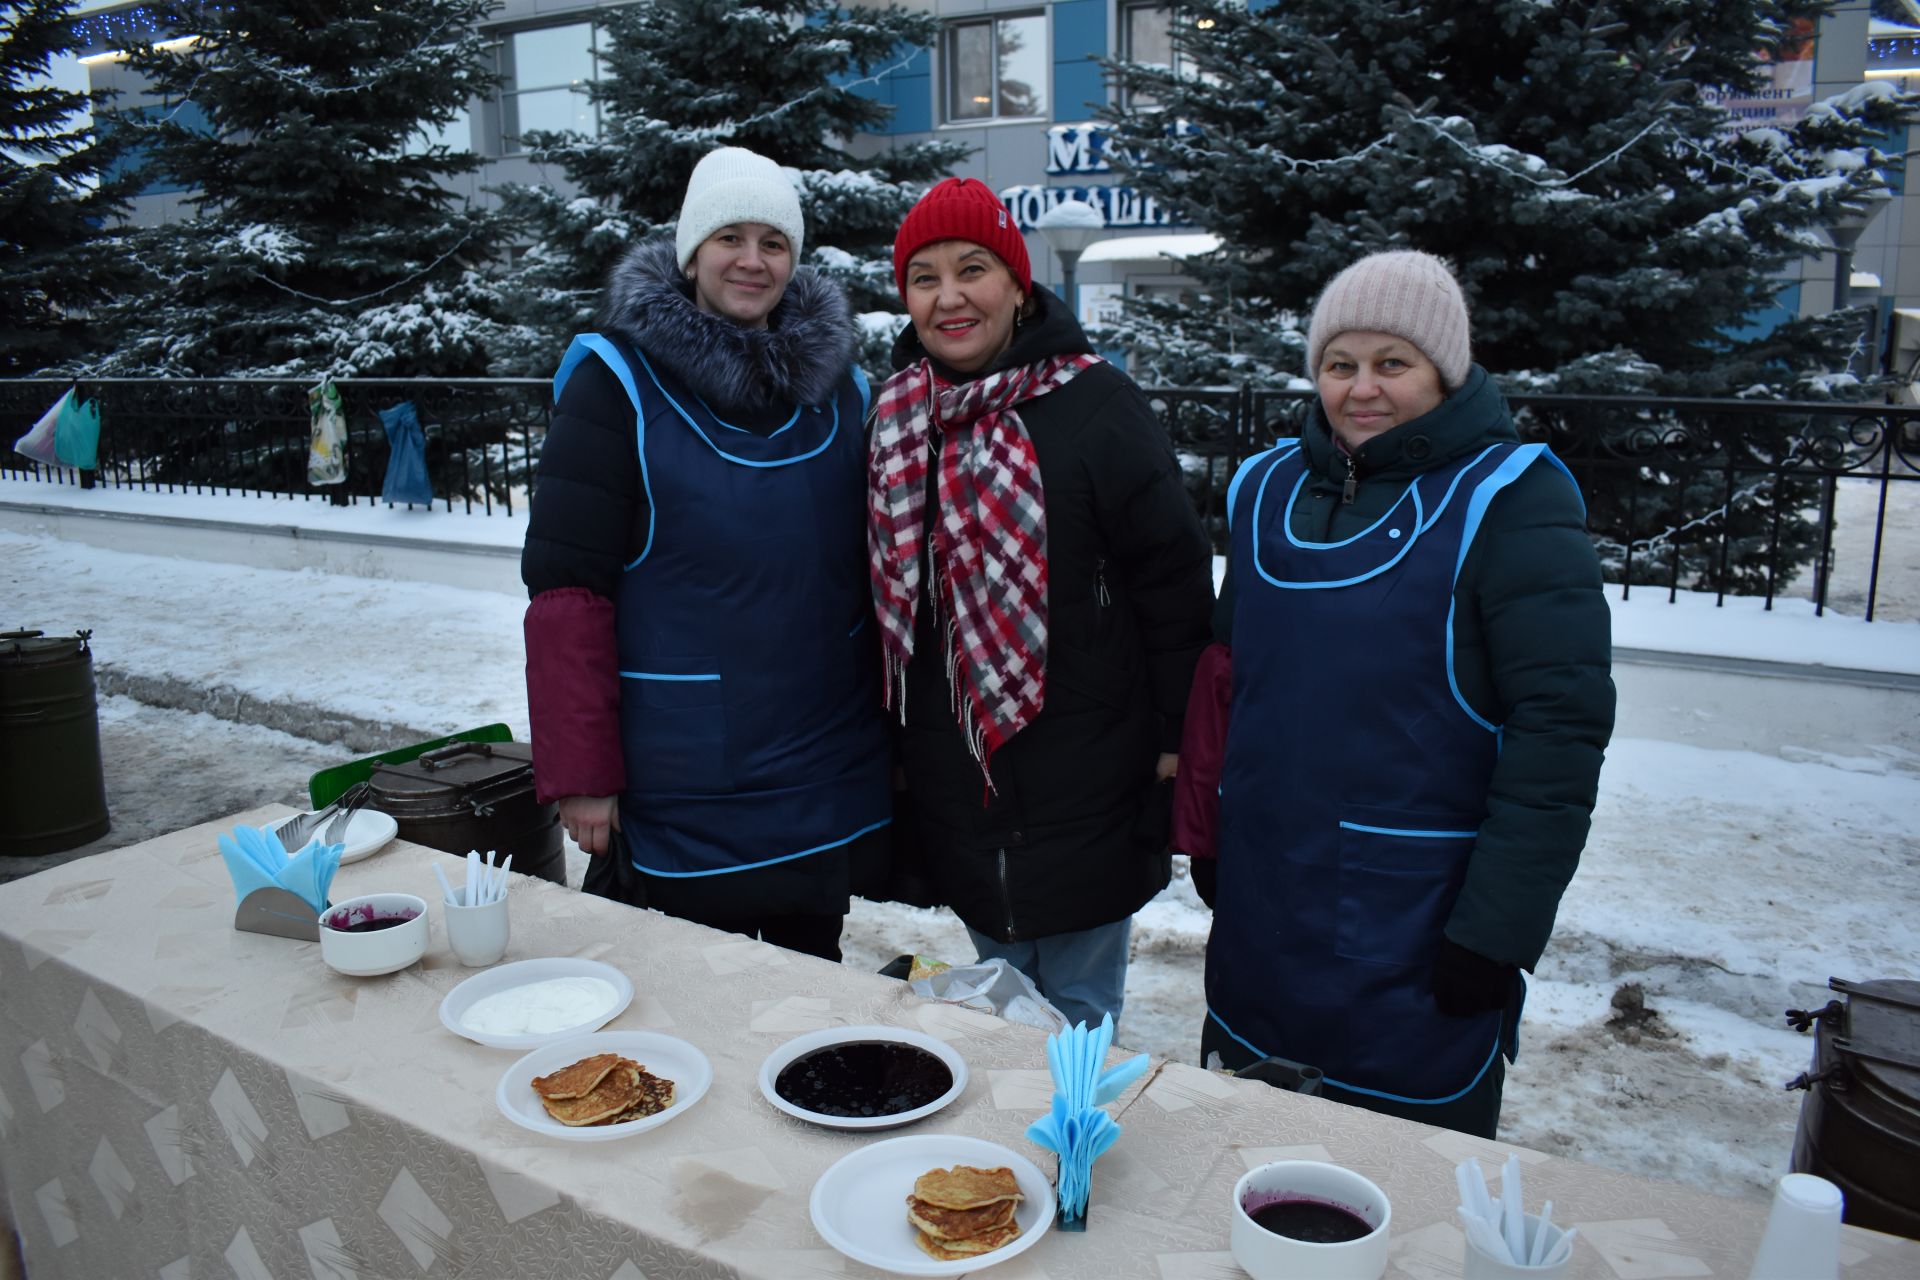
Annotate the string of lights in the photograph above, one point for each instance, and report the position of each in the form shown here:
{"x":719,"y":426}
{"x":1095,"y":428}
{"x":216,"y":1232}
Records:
{"x":116,"y":28}
{"x":1897,"y":48}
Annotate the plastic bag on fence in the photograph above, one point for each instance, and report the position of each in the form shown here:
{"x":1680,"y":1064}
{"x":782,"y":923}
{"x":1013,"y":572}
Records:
{"x":996,"y":987}
{"x":76,"y":437}
{"x":406,"y":457}
{"x":40,"y":442}
{"x":327,"y":447}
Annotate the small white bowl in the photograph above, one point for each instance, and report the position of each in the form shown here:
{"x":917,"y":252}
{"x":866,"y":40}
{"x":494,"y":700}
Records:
{"x":365,"y":955}
{"x":1265,"y":1255}
{"x":778,"y":1060}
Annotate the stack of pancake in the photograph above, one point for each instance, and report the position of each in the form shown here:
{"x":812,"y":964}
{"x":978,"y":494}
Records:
{"x":603,"y":1089}
{"x":963,"y":1211}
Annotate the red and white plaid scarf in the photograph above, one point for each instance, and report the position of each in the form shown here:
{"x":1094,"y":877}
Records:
{"x":989,"y":553}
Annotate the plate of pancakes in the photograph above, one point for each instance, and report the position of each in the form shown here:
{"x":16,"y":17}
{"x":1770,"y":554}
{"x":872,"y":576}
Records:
{"x":932,"y":1204}
{"x":608,"y":1085}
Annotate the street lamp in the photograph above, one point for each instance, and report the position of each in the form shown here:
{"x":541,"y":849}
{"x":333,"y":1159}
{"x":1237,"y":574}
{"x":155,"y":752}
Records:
{"x":1845,"y":232}
{"x":1068,"y":228}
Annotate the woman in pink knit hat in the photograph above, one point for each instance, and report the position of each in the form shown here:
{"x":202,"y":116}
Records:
{"x":1420,"y":700}
{"x":1043,"y":588}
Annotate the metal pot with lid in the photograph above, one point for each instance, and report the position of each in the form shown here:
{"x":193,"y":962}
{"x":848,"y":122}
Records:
{"x":474,"y":795}
{"x":1860,"y":1122}
{"x":53,"y":793}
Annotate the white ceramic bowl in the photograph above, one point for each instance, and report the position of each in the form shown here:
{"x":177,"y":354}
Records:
{"x":1267,"y":1256}
{"x":778,"y":1060}
{"x":363,"y":955}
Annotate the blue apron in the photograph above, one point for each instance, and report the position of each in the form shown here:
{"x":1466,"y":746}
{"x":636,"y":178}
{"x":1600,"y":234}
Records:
{"x":750,"y":709}
{"x":1354,"y":784}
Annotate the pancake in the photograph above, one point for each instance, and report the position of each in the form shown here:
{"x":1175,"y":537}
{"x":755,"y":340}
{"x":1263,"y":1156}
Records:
{"x":950,"y":1250}
{"x":965,"y":1187}
{"x":959,"y":1224}
{"x":578,"y":1080}
{"x":617,"y":1091}
{"x":656,"y":1095}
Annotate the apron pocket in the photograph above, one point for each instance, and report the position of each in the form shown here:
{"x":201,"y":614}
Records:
{"x":673,"y":718}
{"x":1400,"y":871}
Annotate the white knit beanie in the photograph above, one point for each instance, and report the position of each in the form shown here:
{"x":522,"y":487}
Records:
{"x":1408,"y":294}
{"x":734,"y":184}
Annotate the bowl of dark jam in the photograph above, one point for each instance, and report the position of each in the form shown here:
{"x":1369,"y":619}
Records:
{"x":374,"y":934}
{"x":1295,"y":1218}
{"x":863,"y":1077}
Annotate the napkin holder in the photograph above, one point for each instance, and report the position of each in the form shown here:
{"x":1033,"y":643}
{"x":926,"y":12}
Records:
{"x":279,"y":912}
{"x":1078,"y":1222}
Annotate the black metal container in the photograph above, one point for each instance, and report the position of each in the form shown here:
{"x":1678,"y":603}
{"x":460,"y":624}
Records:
{"x":53,"y":793}
{"x":474,"y":795}
{"x":1860,"y":1121}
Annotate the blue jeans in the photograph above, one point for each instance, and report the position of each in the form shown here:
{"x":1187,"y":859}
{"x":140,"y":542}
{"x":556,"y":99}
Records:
{"x":1083,"y":974}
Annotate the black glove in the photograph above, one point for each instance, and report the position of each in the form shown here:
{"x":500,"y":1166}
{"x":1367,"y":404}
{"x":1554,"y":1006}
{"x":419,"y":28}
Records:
{"x":1466,"y":982}
{"x":1206,"y":878}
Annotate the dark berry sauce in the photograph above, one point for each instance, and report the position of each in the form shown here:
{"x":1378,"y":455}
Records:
{"x":864,"y":1079}
{"x":1314,"y":1221}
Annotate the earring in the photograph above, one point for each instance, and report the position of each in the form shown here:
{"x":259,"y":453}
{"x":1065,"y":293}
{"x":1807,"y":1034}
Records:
{"x":689,"y":273}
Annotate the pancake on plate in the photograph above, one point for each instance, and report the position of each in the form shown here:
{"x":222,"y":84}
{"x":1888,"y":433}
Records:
{"x":963,"y":1212}
{"x":578,"y":1080}
{"x":616,"y":1089}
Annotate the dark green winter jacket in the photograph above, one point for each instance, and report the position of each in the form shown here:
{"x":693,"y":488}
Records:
{"x":1532,"y":653}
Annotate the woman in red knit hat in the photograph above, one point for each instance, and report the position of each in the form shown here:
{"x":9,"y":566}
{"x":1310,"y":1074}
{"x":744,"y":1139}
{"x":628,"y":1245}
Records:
{"x":1043,"y":588}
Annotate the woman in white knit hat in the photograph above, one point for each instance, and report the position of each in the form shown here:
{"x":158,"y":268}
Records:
{"x":1420,"y":700}
{"x":702,"y":672}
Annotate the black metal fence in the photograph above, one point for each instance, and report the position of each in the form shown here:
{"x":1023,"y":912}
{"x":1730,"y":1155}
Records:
{"x":1729,"y":496}
{"x":252,"y":435}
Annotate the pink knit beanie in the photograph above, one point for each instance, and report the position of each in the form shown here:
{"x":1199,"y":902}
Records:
{"x":1406,"y":293}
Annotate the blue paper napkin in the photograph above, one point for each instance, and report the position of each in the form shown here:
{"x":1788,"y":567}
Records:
{"x":1075,"y":1128}
{"x":256,"y":859}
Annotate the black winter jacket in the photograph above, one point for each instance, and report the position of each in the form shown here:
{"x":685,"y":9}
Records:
{"x":1074,"y":834}
{"x":1532,"y":653}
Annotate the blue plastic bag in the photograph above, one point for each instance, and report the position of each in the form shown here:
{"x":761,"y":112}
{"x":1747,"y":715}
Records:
{"x":67,"y":435}
{"x":406,"y":457}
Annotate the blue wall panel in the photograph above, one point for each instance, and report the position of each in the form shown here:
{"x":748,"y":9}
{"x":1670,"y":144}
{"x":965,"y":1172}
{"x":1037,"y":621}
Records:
{"x":909,"y":91}
{"x":1079,"y":36}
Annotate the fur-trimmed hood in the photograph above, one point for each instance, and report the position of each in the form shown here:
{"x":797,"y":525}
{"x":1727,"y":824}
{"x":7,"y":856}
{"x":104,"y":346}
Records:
{"x":797,"y":359}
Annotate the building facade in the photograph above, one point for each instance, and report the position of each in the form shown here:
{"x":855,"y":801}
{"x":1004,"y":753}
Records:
{"x":1017,"y":81}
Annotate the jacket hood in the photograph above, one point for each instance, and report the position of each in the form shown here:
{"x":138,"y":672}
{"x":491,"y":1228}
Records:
{"x":1050,"y":331}
{"x":1465,"y":422}
{"x":797,"y":359}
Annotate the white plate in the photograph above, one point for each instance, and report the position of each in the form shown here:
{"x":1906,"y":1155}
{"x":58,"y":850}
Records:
{"x":777,"y":1061}
{"x":518,"y":974}
{"x":858,"y":1205}
{"x":666,"y":1056}
{"x":368,"y":831}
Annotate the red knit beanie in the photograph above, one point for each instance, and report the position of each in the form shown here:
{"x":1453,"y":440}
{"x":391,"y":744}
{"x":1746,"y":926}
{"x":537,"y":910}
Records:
{"x":961,"y":209}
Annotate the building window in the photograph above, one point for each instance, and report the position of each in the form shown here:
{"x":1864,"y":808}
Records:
{"x":1146,"y":34}
{"x":547,"y":71}
{"x":995,"y":69}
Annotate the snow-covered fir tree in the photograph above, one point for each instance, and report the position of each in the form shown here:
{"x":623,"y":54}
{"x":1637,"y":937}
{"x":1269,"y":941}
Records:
{"x":1612,"y":232}
{"x":59,"y":260}
{"x":323,"y":237}
{"x":679,"y":78}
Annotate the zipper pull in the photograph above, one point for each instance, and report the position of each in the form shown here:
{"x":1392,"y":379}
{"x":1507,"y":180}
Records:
{"x":1101,"y":596}
{"x":1353,"y":481}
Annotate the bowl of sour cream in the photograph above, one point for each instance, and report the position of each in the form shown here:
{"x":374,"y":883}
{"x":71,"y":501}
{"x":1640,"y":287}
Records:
{"x":530,"y":1003}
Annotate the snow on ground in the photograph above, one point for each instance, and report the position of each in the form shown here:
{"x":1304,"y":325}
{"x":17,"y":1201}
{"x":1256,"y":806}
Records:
{"x":1754,"y":836}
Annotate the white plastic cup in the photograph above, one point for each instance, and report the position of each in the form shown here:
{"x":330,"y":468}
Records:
{"x":477,"y":935}
{"x":1802,"y":1241}
{"x":1482,"y":1265}
{"x":1267,"y":1256}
